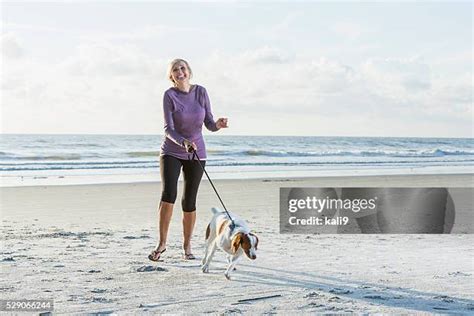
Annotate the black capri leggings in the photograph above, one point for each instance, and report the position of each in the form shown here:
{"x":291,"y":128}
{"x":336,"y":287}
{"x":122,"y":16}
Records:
{"x":170,"y":168}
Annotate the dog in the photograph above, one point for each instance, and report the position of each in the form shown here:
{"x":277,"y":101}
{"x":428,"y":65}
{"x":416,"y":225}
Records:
{"x":235,"y":242}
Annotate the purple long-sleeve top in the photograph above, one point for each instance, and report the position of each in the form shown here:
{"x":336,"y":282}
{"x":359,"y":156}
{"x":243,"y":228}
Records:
{"x":184,"y":115}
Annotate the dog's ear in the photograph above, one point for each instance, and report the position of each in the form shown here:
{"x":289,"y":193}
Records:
{"x":256,"y":243}
{"x":236,"y":241}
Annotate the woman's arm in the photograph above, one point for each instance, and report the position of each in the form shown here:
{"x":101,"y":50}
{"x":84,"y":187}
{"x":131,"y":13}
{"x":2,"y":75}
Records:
{"x":170,"y":131}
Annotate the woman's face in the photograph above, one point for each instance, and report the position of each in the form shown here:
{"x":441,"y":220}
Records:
{"x":180,"y":73}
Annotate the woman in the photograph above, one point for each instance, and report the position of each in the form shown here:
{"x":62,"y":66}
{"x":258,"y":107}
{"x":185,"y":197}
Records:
{"x":186,"y":107}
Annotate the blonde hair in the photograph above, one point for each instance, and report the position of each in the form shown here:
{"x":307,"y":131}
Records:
{"x":171,"y":65}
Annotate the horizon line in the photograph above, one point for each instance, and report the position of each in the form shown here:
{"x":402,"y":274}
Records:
{"x":213,"y":135}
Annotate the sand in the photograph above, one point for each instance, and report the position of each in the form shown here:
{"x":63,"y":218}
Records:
{"x":86,"y":247}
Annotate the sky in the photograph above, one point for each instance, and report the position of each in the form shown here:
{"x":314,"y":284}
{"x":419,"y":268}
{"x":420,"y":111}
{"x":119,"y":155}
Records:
{"x":401,"y":69}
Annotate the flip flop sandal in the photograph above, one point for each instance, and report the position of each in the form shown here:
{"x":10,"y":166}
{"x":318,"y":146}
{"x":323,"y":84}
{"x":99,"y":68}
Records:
{"x":155,"y":255}
{"x":188,"y":256}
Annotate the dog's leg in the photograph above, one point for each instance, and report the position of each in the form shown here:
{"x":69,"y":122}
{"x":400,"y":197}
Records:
{"x":210,"y":254}
{"x":205,"y":260}
{"x":232,"y":263}
{"x":229,"y":258}
{"x":210,"y":240}
{"x":206,"y":253}
{"x":205,"y":267}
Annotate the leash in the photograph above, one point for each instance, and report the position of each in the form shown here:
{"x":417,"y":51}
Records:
{"x":232,"y":224}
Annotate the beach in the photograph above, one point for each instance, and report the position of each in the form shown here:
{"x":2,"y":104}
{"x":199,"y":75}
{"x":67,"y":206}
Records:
{"x":340,"y":132}
{"x":86,"y":247}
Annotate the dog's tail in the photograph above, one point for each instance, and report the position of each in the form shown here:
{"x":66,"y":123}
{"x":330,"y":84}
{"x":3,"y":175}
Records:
{"x":215,"y":210}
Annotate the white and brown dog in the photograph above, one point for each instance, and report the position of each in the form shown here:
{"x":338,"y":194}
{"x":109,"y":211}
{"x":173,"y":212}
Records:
{"x":234,"y":242}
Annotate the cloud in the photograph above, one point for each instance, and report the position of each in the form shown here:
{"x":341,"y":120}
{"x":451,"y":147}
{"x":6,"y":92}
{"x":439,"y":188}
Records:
{"x":33,"y":28}
{"x":117,"y":87}
{"x":144,"y":33}
{"x":106,"y":59}
{"x":395,"y":74}
{"x":413,"y":86}
{"x":265,"y":55}
{"x":375,"y":94}
{"x":103,"y":87}
{"x":11,"y":47}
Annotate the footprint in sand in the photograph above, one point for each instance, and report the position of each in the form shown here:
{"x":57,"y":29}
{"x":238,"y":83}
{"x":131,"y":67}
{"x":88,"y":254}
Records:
{"x":98,"y":291}
{"x":333,"y":308}
{"x":459,"y":273}
{"x":313,"y":305}
{"x":151,"y":269}
{"x":375,"y":297}
{"x":340,"y":291}
{"x":232,"y":311}
{"x":137,"y":237}
{"x":101,"y":300}
{"x":444,"y":298}
{"x":8,"y":259}
{"x":108,"y":312}
{"x":311,"y":295}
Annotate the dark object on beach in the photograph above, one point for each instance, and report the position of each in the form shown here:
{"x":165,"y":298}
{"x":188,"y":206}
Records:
{"x":8,"y":259}
{"x":340,"y":291}
{"x":375,"y":297}
{"x":137,"y":237}
{"x":150,"y":269}
{"x":245,"y":300}
{"x":441,"y":308}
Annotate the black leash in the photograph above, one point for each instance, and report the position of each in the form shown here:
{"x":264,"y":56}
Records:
{"x":232,"y":224}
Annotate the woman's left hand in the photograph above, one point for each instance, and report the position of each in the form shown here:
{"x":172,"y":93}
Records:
{"x":221,"y":123}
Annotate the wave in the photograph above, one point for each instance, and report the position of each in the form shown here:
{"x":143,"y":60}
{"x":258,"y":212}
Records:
{"x":148,"y":165}
{"x":51,"y":157}
{"x":112,"y":157}
{"x":439,"y":152}
{"x":73,"y":163}
{"x":349,"y":163}
{"x":80,"y":167}
{"x":277,"y":153}
{"x":340,"y":153}
{"x":88,"y":145}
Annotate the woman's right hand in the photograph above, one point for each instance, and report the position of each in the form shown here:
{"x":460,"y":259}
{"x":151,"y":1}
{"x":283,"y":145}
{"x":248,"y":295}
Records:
{"x":190,"y":146}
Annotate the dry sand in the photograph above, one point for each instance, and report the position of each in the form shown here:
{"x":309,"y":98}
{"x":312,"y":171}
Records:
{"x":86,"y":247}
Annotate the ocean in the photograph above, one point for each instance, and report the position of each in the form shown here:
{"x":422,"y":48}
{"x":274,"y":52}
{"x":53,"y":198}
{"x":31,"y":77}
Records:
{"x":83,"y":159}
